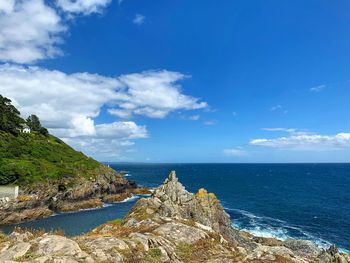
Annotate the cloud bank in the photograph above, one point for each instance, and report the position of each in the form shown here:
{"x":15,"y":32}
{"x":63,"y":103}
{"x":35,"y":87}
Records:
{"x":32,"y":30}
{"x":29,"y":31}
{"x":308,"y":142}
{"x":68,"y":103}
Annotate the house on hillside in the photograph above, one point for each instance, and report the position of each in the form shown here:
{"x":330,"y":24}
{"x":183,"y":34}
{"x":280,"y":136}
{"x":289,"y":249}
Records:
{"x":25,"y":128}
{"x":8,"y":193}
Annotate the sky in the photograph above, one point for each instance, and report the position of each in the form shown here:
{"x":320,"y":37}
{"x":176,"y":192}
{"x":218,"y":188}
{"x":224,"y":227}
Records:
{"x":183,"y":81}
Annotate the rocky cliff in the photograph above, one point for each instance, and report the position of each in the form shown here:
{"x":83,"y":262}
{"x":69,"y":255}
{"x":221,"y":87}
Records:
{"x":172,"y":225}
{"x":43,"y":199}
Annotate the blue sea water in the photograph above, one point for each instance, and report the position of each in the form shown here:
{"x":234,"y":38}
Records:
{"x":307,"y":201}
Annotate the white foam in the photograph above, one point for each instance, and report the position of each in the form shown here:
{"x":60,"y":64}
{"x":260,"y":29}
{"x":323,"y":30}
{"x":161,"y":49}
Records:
{"x":259,"y":226}
{"x":278,"y":233}
{"x":129,"y":199}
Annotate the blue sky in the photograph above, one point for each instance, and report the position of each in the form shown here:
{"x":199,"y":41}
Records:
{"x":183,"y":81}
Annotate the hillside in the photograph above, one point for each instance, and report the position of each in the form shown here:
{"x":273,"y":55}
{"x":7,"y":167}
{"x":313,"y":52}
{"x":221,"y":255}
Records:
{"x":33,"y":157}
{"x":52,"y":176}
{"x":29,"y":154}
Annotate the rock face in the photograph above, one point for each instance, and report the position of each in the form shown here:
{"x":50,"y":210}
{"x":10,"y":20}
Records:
{"x":172,"y":225}
{"x":42,"y":200}
{"x":172,"y":200}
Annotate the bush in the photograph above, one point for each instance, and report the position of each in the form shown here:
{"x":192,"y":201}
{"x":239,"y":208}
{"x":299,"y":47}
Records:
{"x":116,"y":222}
{"x":8,"y":173}
{"x":153,"y":255}
{"x":184,"y":251}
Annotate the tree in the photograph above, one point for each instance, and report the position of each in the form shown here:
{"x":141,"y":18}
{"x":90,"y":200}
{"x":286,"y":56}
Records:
{"x":34,"y":124}
{"x":8,"y":173}
{"x":10,"y":120}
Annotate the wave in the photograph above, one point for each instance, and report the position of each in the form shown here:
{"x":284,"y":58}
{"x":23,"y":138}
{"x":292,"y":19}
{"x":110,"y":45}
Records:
{"x":133,"y":198}
{"x":264,"y":226}
{"x":127,"y":175}
{"x":129,"y":199}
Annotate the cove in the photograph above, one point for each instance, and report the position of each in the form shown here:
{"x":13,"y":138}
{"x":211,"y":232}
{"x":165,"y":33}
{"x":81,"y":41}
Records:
{"x":77,"y":223}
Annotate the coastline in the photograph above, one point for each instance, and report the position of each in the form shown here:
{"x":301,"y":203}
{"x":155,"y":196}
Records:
{"x":45,"y":199}
{"x":171,"y":225}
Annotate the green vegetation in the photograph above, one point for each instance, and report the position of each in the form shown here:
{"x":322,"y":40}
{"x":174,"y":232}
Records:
{"x":116,"y":222}
{"x":184,"y":251}
{"x":34,"y":124}
{"x":27,"y":158}
{"x":10,"y":120}
{"x":153,"y":256}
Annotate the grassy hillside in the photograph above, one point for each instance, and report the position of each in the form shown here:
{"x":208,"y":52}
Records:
{"x":31,"y":158}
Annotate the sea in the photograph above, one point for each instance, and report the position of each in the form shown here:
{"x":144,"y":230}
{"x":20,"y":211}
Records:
{"x":304,"y":201}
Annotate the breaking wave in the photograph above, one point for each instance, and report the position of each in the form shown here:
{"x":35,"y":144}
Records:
{"x":268,"y":227}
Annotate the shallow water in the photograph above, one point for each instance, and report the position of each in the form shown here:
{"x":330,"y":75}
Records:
{"x":78,"y":222}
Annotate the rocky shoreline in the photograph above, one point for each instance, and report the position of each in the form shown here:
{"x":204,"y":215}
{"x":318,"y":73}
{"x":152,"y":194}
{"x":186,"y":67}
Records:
{"x":45,"y":199}
{"x":172,"y":225}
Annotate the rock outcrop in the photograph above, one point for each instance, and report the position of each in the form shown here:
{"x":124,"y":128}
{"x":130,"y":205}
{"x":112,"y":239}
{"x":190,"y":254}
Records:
{"x":42,"y":200}
{"x":172,"y":225}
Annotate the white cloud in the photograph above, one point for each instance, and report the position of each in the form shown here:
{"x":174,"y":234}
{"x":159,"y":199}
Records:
{"x":62,"y":101}
{"x":85,"y":7}
{"x":29,"y":31}
{"x":152,"y":93}
{"x":110,"y":142}
{"x":121,"y":130}
{"x":124,"y":114}
{"x":318,"y":88}
{"x":67,"y":104}
{"x":7,"y":6}
{"x":235,"y":152}
{"x":290,"y":130}
{"x":309,"y":142}
{"x":32,"y":30}
{"x":194,"y":117}
{"x":276,"y":107}
{"x":139,"y":19}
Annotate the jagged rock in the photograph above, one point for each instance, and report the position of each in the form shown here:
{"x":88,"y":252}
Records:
{"x":302,"y":247}
{"x":177,"y":233}
{"x":59,"y":246}
{"x":43,"y":199}
{"x":19,"y":249}
{"x":12,"y":217}
{"x":268,"y":241}
{"x":104,"y":243}
{"x":172,"y":200}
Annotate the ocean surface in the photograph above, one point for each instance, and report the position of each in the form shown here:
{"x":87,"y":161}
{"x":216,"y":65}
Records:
{"x":306,"y":201}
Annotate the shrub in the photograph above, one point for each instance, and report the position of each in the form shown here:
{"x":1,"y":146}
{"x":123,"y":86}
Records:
{"x":184,"y":251}
{"x":116,"y":222}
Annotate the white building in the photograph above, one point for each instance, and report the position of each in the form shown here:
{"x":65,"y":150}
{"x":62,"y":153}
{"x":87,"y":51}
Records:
{"x":8,"y":192}
{"x":25,"y":128}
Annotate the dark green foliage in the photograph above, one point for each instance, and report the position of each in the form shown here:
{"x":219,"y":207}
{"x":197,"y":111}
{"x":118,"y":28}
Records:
{"x":8,"y":173}
{"x":10,"y":120}
{"x":34,"y":124}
